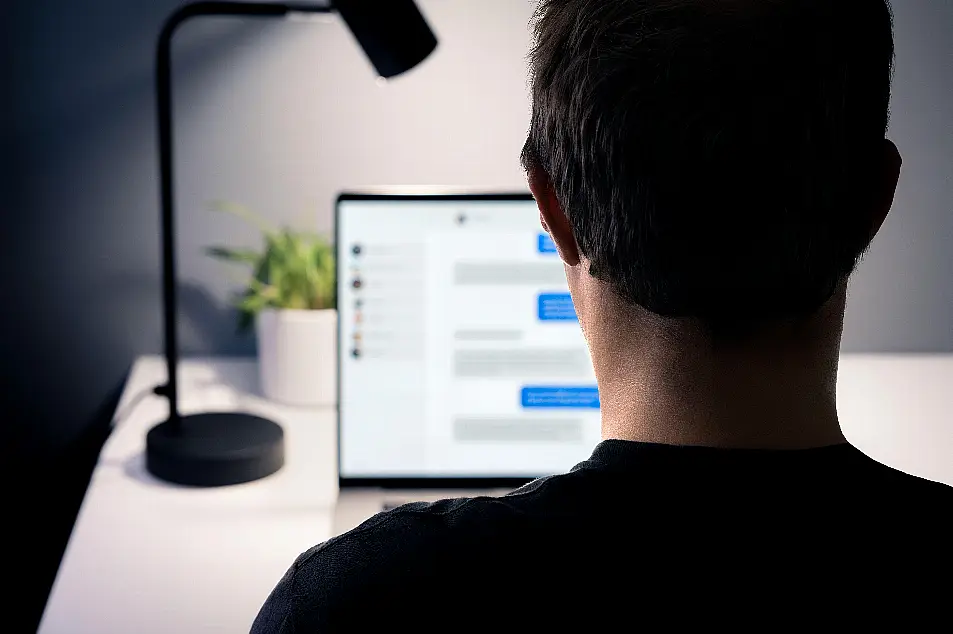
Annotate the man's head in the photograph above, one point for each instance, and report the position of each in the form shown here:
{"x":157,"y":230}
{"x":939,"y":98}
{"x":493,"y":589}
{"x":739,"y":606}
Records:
{"x":722,"y":160}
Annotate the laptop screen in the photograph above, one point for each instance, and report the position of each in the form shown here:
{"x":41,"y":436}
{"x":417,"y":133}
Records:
{"x":460,"y":354}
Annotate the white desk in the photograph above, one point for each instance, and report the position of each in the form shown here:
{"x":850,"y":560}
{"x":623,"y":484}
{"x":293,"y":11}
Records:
{"x":148,"y":557}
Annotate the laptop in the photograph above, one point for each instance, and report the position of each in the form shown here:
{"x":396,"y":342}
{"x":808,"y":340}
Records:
{"x":462,"y":370}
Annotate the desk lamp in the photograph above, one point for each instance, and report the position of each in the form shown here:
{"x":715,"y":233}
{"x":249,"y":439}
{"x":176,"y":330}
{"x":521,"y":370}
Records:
{"x":222,"y":448}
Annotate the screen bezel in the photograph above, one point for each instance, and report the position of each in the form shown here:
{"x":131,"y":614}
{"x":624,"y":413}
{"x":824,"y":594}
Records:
{"x":404,"y":481}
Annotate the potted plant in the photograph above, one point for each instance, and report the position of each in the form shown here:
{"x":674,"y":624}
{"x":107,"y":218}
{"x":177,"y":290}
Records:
{"x":290,"y":298}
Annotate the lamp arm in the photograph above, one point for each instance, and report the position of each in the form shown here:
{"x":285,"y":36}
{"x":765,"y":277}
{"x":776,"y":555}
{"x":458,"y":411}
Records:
{"x":166,"y":190}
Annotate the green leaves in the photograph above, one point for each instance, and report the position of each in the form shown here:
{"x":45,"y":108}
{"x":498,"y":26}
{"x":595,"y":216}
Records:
{"x":294,"y":271}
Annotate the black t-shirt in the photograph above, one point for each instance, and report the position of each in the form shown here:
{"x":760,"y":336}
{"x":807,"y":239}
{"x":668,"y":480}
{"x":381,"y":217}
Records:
{"x":638,"y":532}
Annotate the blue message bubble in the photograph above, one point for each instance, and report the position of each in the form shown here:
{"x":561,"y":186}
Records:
{"x":556,"y":307}
{"x":546,"y":244}
{"x":560,"y":396}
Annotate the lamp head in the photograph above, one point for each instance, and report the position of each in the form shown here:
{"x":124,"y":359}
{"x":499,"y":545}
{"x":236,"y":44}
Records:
{"x":393,"y":34}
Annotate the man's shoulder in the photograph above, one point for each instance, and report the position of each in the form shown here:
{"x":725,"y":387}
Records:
{"x":421,"y":529}
{"x":885,"y":478}
{"x":413,"y":548}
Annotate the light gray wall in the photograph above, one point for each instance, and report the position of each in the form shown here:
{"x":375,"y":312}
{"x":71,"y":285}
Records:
{"x":901,"y":299}
{"x":281,"y":116}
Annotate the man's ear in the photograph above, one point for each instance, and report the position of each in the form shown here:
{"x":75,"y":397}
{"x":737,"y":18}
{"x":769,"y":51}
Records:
{"x":552,"y":217}
{"x":890,"y":175}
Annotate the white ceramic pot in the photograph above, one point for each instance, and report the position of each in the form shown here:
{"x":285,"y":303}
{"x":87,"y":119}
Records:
{"x":297,"y":356}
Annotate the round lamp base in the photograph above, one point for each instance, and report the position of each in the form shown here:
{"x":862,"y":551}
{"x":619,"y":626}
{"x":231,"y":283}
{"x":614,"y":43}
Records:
{"x":215,"y":449}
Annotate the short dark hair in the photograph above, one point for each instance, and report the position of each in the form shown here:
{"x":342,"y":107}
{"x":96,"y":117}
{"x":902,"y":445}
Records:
{"x":714,"y":157}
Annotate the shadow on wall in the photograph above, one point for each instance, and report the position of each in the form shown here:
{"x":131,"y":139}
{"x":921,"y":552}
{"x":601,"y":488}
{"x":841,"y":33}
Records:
{"x":83,"y":111}
{"x":206,"y":325}
{"x":82,"y":206}
{"x":104,"y":60}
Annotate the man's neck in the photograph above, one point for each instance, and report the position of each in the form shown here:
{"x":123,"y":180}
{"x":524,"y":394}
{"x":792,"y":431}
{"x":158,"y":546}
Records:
{"x":671,"y":383}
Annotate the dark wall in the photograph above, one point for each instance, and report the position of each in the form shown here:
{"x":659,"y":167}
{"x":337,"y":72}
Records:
{"x":83,"y":216}
{"x":79,"y":251}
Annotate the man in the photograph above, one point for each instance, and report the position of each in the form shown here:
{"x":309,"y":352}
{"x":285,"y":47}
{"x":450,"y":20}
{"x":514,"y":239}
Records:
{"x":710,"y":172}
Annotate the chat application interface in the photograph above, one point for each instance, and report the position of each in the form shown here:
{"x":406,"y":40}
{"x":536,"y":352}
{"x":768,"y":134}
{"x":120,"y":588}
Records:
{"x":461,"y":354}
